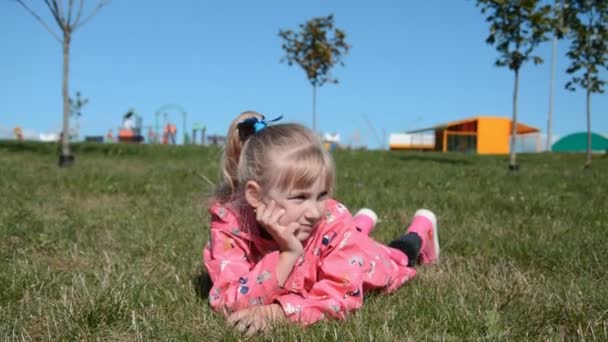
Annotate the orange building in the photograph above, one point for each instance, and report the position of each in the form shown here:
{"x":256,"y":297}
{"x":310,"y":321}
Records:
{"x":481,"y":135}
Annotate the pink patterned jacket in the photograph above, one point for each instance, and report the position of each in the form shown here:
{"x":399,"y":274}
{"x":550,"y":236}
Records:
{"x":339,"y":265}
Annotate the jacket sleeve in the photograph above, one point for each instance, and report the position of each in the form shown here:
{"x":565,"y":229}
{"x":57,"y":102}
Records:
{"x":238,"y":283}
{"x":339,"y":289}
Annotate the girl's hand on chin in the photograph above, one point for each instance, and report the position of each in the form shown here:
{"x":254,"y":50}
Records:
{"x":269,"y":216}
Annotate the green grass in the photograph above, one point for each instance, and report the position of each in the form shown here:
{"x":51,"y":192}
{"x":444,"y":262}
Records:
{"x":111,"y":248}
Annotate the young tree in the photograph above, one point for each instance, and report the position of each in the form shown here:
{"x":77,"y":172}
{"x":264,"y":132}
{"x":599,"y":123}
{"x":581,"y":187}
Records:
{"x":69,"y":17}
{"x":517,"y":27}
{"x":76,"y":105}
{"x":588,"y":29}
{"x":557,"y":34}
{"x":315,"y":52}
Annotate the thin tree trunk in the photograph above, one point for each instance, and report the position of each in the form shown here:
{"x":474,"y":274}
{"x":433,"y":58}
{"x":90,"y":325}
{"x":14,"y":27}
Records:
{"x":588,"y":79}
{"x":588,"y":161}
{"x":513,"y":156}
{"x":65,"y":141}
{"x":553,"y":61}
{"x":156,"y":129}
{"x":184,"y":117}
{"x":314,"y":108}
{"x":551,"y":91}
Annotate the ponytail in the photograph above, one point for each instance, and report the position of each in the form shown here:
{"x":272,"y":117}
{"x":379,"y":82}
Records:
{"x":232,"y":153}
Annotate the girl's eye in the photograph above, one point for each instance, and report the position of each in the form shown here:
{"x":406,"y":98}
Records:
{"x":323,"y":195}
{"x":298,"y":197}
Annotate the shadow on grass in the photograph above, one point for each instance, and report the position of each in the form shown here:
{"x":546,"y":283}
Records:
{"x":435,"y":158}
{"x":202,"y":284}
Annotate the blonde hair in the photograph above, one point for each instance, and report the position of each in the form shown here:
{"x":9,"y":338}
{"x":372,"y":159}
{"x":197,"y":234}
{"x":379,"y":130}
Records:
{"x":288,"y":156}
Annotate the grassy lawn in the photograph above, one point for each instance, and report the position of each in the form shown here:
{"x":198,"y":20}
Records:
{"x":110,"y":249}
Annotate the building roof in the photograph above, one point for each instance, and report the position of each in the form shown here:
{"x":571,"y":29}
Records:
{"x":521,"y":128}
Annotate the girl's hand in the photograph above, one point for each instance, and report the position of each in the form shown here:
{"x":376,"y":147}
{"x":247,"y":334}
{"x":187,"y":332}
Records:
{"x":257,"y":318}
{"x":268,"y":216}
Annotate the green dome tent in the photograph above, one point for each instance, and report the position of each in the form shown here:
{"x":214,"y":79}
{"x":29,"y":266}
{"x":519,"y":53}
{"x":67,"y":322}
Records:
{"x":577,"y":142}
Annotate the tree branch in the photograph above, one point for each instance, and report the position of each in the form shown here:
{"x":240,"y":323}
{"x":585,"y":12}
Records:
{"x":70,"y":6}
{"x":85,"y":20}
{"x":79,"y":11}
{"x":59,"y":6}
{"x":54,"y":8}
{"x":46,"y":26}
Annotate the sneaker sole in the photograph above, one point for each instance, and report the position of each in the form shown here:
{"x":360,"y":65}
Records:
{"x":369,"y":213}
{"x":429,"y":215}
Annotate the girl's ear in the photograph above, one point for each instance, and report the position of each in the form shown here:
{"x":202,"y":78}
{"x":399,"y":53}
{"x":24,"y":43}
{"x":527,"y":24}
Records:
{"x":253,"y":194}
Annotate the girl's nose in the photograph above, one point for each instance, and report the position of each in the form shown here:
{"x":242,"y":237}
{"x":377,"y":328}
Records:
{"x":314,"y":212}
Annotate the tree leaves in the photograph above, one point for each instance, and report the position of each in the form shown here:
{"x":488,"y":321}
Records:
{"x":313,"y":49}
{"x":516,"y":28}
{"x":587,"y":23}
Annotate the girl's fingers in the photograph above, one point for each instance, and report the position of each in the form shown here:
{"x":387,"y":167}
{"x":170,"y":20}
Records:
{"x":265,"y":215}
{"x":242,"y":325}
{"x":259,"y":211}
{"x":271,"y":209}
{"x":252,"y":320}
{"x":253,"y":328}
{"x":292,"y":227}
{"x":270,"y":214}
{"x":235,"y":317}
{"x":275,"y":216}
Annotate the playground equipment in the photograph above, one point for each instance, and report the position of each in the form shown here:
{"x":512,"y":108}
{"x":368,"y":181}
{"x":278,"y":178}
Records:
{"x":198,"y":127}
{"x":169,"y":128}
{"x":130,"y":131}
{"x":217,"y":140}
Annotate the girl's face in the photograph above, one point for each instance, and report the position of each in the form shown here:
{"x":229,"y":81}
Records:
{"x":303,"y":206}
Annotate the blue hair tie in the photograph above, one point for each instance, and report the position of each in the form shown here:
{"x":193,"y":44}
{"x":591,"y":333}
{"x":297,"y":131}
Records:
{"x":261,"y":124}
{"x":254,"y":125}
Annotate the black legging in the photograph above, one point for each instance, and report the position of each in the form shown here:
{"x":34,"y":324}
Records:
{"x":409,"y":244}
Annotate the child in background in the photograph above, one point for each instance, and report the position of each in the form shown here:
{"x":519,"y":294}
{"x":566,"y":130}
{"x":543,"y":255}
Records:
{"x":281,"y":248}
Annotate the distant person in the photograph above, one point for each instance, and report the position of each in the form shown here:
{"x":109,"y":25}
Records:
{"x":110,"y":136}
{"x":172,"y":133}
{"x":169,"y":133}
{"x":281,"y":248}
{"x":151,"y":135}
{"x":18,"y":133}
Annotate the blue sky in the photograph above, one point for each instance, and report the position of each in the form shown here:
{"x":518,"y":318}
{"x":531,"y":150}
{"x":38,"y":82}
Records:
{"x":412,"y":65}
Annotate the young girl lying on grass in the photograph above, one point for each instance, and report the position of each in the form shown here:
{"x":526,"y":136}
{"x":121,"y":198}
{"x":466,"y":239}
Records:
{"x":281,"y":248}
